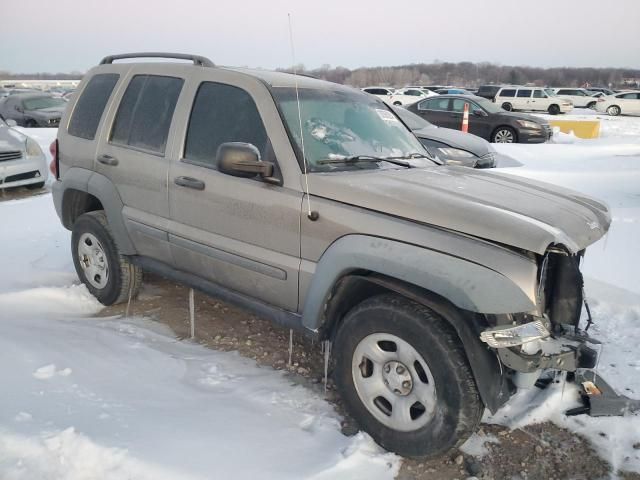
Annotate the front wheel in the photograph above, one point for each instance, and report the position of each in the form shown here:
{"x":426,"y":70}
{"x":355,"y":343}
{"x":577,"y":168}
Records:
{"x":613,"y":110}
{"x":504,"y":135}
{"x":108,"y":275}
{"x":404,"y":377}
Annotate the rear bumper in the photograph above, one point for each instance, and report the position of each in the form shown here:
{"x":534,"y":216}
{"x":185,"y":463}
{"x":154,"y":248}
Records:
{"x":23,"y":171}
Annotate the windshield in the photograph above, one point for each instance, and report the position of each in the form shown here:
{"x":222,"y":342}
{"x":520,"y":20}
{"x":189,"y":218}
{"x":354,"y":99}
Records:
{"x":40,"y":103}
{"x":413,"y":121}
{"x":343,"y":123}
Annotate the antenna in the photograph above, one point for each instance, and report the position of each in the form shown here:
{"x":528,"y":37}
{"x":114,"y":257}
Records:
{"x":311,"y":215}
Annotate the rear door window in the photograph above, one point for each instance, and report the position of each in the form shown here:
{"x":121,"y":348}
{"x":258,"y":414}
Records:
{"x":439,"y":104}
{"x":90,"y":106}
{"x":145,"y":113}
{"x":223,"y":113}
{"x":508,"y":93}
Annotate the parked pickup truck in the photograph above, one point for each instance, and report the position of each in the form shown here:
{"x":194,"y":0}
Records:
{"x":440,"y":288}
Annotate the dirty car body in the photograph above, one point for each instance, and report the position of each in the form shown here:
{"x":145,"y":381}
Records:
{"x":328,"y":216}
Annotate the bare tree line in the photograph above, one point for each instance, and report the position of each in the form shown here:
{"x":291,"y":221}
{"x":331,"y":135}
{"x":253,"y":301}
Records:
{"x":472,"y":75}
{"x":467,"y":74}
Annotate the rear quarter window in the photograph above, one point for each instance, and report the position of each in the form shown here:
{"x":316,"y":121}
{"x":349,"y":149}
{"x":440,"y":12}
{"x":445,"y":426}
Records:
{"x":507,"y":93}
{"x":90,"y":106}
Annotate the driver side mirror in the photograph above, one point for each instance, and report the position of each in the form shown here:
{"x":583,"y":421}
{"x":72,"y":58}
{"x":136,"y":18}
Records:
{"x":241,"y":159}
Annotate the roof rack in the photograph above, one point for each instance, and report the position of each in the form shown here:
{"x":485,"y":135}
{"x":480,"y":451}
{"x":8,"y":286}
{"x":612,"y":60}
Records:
{"x":196,"y":59}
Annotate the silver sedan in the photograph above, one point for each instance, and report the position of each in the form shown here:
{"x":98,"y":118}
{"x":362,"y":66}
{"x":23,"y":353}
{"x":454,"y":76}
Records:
{"x":22,"y":162}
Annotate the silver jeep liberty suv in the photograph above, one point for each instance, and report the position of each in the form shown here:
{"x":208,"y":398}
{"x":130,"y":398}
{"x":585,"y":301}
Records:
{"x":441,"y":288}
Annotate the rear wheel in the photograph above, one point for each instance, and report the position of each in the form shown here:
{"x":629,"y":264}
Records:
{"x":504,"y":135}
{"x":613,"y":110}
{"x":507,"y":106}
{"x":109,"y":276}
{"x":554,"y":109}
{"x":592,"y":105}
{"x":404,"y":377}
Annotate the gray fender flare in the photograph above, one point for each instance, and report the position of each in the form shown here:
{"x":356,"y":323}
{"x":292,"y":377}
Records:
{"x":104,"y":190}
{"x":467,"y":285}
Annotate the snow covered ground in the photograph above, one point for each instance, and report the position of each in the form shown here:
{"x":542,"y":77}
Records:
{"x":607,"y":168}
{"x":85,"y":397}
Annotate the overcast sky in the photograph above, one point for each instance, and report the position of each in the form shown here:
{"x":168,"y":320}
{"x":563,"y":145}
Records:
{"x":66,"y":35}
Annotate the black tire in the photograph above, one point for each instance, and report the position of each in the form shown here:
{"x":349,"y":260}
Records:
{"x":35,"y":186}
{"x":507,"y":106}
{"x":123,"y":278}
{"x":553,"y":109}
{"x":31,"y":123}
{"x":502,"y":135}
{"x":458,"y":408}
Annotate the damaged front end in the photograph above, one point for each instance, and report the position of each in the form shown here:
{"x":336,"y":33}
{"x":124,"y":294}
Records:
{"x":553,"y":339}
{"x":550,"y":337}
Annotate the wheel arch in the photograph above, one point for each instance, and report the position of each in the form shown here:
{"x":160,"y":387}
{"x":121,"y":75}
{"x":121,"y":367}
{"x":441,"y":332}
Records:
{"x":81,"y":191}
{"x":491,"y":381}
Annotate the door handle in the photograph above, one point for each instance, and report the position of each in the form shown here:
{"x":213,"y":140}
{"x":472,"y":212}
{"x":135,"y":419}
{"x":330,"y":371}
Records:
{"x":189,"y":182}
{"x":108,"y":160}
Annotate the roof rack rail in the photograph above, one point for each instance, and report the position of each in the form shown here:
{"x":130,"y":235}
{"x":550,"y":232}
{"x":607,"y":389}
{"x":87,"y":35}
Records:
{"x":196,"y":59}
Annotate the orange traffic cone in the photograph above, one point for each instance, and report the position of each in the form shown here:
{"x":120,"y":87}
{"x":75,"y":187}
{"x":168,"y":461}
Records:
{"x":465,"y":118}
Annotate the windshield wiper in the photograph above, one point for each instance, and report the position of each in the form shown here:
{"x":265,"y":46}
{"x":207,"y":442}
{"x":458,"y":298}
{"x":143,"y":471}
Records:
{"x":365,"y":158}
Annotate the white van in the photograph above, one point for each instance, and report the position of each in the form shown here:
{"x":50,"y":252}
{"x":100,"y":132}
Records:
{"x":533,"y":99}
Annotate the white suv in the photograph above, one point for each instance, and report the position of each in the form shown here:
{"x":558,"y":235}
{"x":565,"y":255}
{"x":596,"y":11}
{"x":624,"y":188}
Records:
{"x":532,"y":98}
{"x":580,"y":97}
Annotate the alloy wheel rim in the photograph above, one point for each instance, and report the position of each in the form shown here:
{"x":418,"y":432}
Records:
{"x":504,"y":136}
{"x":93,"y":260}
{"x":614,"y":110}
{"x":393,"y":382}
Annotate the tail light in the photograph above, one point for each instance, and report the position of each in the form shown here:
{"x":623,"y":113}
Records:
{"x":54,"y":166}
{"x":601,"y":99}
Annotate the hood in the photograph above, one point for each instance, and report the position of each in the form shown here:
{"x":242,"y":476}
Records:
{"x":11,"y":139}
{"x":456,"y":139}
{"x":498,"y":207}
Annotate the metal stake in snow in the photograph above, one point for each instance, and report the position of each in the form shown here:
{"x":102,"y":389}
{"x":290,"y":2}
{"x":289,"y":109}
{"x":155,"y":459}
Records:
{"x":290,"y":345}
{"x":192,"y":314}
{"x":126,"y":313}
{"x":465,"y":118}
{"x":327,"y":354}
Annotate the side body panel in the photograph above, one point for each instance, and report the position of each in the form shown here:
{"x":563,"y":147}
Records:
{"x":241,"y":233}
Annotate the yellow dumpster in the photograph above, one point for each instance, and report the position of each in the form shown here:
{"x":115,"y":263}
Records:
{"x":580,"y":128}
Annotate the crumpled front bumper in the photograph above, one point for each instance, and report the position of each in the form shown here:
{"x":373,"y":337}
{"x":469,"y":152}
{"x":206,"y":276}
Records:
{"x":567,"y":352}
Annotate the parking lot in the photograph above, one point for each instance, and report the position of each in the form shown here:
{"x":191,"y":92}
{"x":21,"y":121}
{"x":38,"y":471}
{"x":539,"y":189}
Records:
{"x":529,"y":439}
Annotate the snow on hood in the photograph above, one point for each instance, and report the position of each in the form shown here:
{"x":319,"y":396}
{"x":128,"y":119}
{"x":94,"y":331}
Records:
{"x":498,"y":207}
